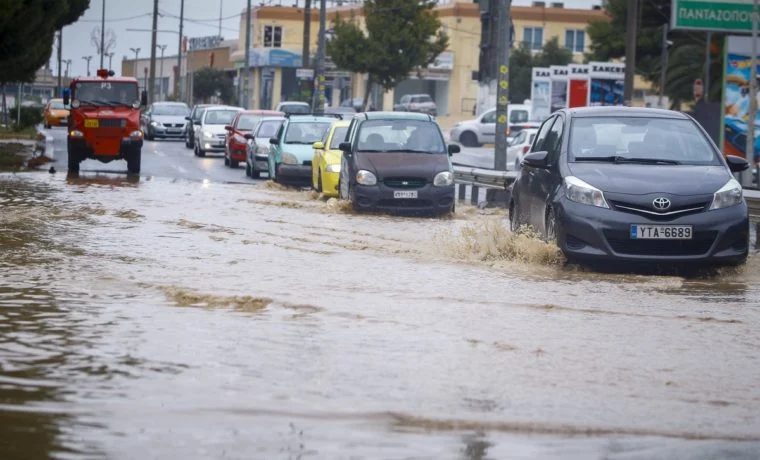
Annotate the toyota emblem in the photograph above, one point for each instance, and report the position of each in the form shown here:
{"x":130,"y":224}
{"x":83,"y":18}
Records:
{"x":661,"y":203}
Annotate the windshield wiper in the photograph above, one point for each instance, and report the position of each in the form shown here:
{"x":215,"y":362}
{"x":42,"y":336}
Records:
{"x":300,"y":142}
{"x":622,"y":159}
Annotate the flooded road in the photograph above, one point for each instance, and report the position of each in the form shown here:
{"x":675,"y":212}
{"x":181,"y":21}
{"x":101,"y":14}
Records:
{"x":162,"y":318}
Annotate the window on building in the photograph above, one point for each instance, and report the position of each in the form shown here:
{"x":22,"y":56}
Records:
{"x":575,"y":40}
{"x":534,"y":37}
{"x":272,"y":37}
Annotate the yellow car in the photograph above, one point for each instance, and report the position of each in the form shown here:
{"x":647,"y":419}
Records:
{"x":325,"y":166}
{"x":55,"y":114}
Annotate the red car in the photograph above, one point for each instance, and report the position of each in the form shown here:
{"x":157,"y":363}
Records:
{"x":242,"y":124}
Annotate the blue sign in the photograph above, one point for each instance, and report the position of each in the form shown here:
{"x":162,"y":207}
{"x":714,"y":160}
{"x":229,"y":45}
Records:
{"x":273,"y":57}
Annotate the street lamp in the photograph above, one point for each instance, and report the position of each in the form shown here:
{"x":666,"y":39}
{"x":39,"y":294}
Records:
{"x":68,"y":63}
{"x":88,"y":59}
{"x":110,"y":58}
{"x":161,"y":75}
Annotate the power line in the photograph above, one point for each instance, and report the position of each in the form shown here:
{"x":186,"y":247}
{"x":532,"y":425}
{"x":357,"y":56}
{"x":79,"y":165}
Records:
{"x":117,"y":19}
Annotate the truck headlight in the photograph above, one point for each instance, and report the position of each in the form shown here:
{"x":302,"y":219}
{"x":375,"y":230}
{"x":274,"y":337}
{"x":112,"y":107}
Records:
{"x":136,"y":134}
{"x":365,"y":177}
{"x":76,"y":133}
{"x":580,"y":192}
{"x":729,"y":195}
{"x":333,"y":168}
{"x":289,"y":159}
{"x":443,"y":179}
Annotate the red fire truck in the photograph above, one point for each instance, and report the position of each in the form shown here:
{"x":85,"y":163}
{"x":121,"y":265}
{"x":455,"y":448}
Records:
{"x":104,"y":122}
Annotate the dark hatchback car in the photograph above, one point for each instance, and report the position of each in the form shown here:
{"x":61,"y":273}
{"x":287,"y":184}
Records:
{"x":632,"y":184}
{"x":396,"y":161}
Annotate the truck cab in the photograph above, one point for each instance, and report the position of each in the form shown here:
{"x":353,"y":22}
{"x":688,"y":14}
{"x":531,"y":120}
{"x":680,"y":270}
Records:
{"x":104,"y":121}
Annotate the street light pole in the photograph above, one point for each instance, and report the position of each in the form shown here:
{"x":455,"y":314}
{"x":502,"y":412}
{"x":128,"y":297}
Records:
{"x":247,"y":70}
{"x":60,"y":46}
{"x":87,"y":58}
{"x":663,"y":63}
{"x":177,"y":84}
{"x":161,"y":77}
{"x":103,"y":34}
{"x":318,"y":100}
{"x":152,"y":85}
{"x":504,"y":33}
{"x":68,"y":63}
{"x":110,"y":59}
{"x":134,"y":66}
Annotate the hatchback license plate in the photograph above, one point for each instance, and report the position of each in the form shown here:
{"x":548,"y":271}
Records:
{"x":408,"y":194}
{"x":661,"y":232}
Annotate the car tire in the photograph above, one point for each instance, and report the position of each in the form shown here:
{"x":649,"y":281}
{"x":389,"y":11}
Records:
{"x":226,"y":160}
{"x":133,"y":162}
{"x":233,"y":164}
{"x":550,"y":226}
{"x":469,"y":139}
{"x":247,"y":169}
{"x":319,"y":181}
{"x":199,"y":152}
{"x":73,"y":163}
{"x":514,"y":217}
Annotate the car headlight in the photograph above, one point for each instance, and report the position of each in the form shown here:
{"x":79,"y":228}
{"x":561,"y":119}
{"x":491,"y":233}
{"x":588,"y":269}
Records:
{"x":207,"y":135}
{"x":289,"y":159}
{"x":365,"y":177}
{"x":729,"y":195}
{"x":154,"y":123}
{"x":443,"y":179}
{"x":581,"y":192}
{"x":333,"y":168}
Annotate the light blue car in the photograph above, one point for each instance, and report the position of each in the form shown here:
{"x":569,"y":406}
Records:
{"x":291,"y":152}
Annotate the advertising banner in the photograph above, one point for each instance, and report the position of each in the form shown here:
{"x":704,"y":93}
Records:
{"x":607,"y":83}
{"x":541,"y":92}
{"x":559,"y":87}
{"x":736,"y":98}
{"x":577,"y":85}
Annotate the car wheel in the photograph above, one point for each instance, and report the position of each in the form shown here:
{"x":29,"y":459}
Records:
{"x":343,"y":184}
{"x":514,"y":217}
{"x":319,"y":181}
{"x":469,"y":139}
{"x":133,"y":162}
{"x":550,"y":226}
{"x":247,"y":169}
{"x":233,"y":164}
{"x":73,"y":161}
{"x":226,"y":160}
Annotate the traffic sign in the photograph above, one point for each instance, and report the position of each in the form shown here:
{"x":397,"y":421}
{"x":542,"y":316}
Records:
{"x":718,"y":16}
{"x":699,"y":89}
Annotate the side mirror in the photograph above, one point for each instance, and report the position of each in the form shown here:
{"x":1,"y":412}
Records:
{"x":66,"y":98}
{"x":454,"y":148}
{"x":228,"y":128}
{"x":318,"y":145}
{"x":274,"y":141}
{"x":536,"y":160}
{"x":188,"y":119}
{"x":345,"y":147}
{"x":144,"y":98}
{"x":736,"y":164}
{"x":248,"y":136}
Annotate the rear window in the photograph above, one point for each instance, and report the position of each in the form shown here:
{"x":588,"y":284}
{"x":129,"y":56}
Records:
{"x":518,"y":116}
{"x":421,"y":99}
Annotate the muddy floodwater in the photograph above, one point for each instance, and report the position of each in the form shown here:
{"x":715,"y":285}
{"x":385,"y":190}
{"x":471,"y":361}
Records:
{"x":168,"y":319}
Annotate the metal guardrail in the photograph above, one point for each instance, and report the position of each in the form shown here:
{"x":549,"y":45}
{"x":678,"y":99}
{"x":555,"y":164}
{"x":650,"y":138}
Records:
{"x":754,"y":207}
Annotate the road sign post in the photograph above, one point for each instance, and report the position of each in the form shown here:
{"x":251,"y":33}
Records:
{"x":699,"y":89}
{"x":502,"y":91}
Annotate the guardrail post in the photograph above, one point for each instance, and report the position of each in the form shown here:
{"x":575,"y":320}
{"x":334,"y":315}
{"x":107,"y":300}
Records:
{"x":475,"y":195}
{"x":757,"y":235}
{"x":462,"y":191}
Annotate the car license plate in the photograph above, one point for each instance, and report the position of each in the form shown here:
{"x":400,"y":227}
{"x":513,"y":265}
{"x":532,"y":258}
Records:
{"x":91,"y":123}
{"x":661,"y":232}
{"x":405,"y":194}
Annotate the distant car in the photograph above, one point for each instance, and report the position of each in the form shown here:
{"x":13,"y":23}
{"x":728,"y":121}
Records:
{"x":257,"y":151}
{"x":236,"y":142}
{"x":421,"y":103}
{"x":397,"y":162}
{"x":482,"y":129}
{"x":211,"y":134}
{"x":325,"y":166}
{"x":357,"y":104}
{"x":165,"y":120}
{"x":520,"y":145}
{"x":193,"y":120}
{"x":55,"y":114}
{"x":627,"y":184}
{"x":515,"y":129}
{"x":291,"y":150}
{"x":344,"y":111}
{"x":294,"y":107}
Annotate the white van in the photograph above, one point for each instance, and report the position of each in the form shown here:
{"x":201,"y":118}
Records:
{"x":482,"y":129}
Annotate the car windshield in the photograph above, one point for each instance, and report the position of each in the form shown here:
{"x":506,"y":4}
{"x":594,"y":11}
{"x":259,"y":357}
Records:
{"x":294,"y":108}
{"x":105,"y":93}
{"x":400,"y":136}
{"x":219,"y":117}
{"x":638,"y":138}
{"x":306,"y":132}
{"x":247,"y":122}
{"x":268,"y":128}
{"x":171,"y":110}
{"x":338,"y":136}
{"x":58,"y":105}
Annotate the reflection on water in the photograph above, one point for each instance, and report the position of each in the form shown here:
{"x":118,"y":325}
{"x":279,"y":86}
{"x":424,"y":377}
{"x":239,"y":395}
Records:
{"x":171,"y":320}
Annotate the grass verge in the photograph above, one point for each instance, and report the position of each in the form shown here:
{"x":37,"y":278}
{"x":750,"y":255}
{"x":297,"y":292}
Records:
{"x":13,"y":155}
{"x":26,"y":133}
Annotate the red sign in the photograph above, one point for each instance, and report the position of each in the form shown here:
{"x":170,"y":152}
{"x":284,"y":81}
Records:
{"x":578,"y":93}
{"x":699,"y":89}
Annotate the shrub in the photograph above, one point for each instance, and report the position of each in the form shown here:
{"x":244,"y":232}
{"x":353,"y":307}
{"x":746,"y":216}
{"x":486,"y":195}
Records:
{"x":30,"y":117}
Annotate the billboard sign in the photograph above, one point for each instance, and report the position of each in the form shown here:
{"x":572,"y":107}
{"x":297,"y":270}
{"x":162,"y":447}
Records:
{"x":736,"y":77}
{"x":606,"y":83}
{"x":541,"y":93}
{"x":559,"y":87}
{"x":205,"y":43}
{"x":713,"y":15}
{"x":577,"y":85}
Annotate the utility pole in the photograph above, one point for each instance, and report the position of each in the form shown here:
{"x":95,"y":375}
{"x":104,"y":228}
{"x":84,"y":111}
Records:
{"x":663,"y":63}
{"x":318,"y":100}
{"x":161,"y":77}
{"x":247,"y":70}
{"x":488,"y":46}
{"x":306,"y":34}
{"x":60,"y":62}
{"x":151,"y":85}
{"x":221,"y":3}
{"x":87,"y":58}
{"x":177,"y":85}
{"x":630,"y":50}
{"x":746,"y":176}
{"x":502,"y":93}
{"x":103,"y":35}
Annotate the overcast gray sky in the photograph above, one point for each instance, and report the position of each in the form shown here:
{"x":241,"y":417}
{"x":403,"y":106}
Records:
{"x":201,"y":19}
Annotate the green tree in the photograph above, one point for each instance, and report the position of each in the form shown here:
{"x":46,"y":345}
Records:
{"x":209,"y":82}
{"x":27,"y":33}
{"x":402,"y":36}
{"x":521,"y":63}
{"x":553,"y":54}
